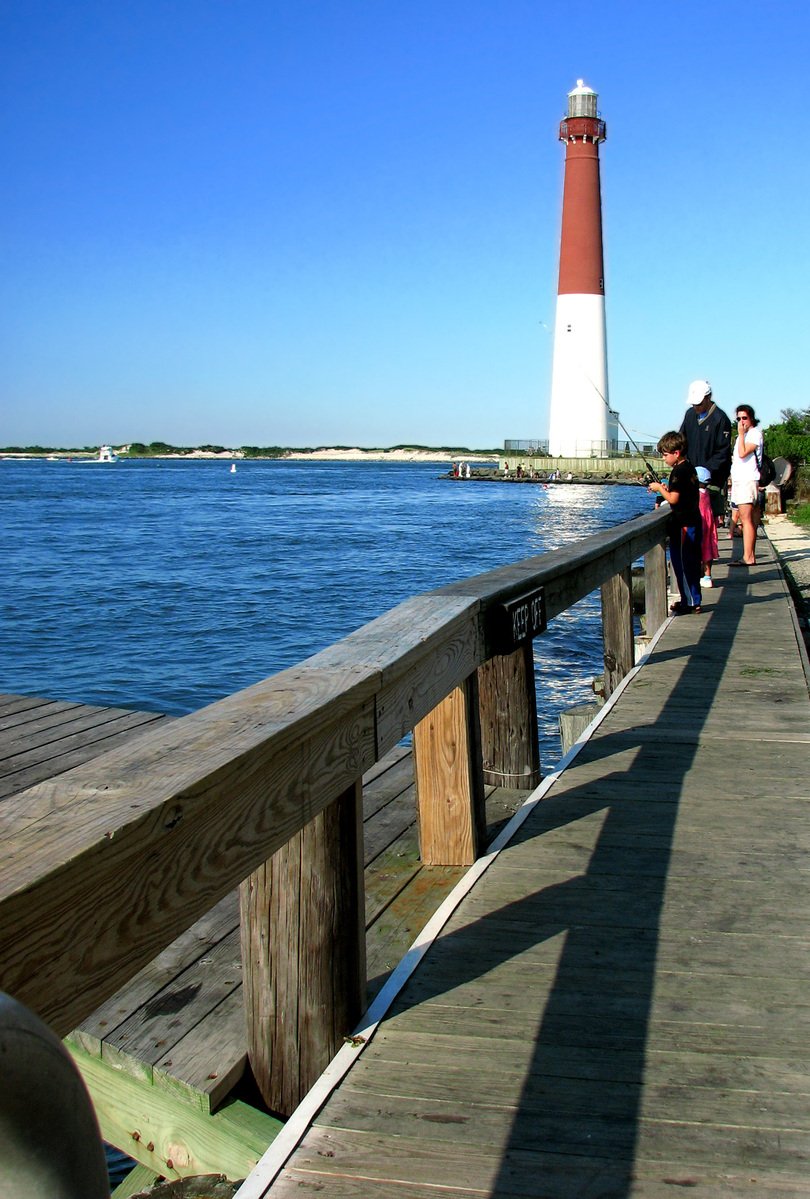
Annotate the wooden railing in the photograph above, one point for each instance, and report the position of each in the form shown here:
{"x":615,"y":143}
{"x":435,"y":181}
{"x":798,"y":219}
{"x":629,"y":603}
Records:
{"x":104,"y":866}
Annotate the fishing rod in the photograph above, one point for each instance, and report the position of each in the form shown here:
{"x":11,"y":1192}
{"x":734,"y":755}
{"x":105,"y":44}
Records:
{"x":651,"y":469}
{"x":652,"y":473}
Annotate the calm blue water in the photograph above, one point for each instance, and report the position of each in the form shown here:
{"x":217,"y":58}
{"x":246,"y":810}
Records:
{"x":167,"y":585}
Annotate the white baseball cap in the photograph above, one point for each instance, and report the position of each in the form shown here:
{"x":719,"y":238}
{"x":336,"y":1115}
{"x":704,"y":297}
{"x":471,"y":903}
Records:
{"x":698,"y":391}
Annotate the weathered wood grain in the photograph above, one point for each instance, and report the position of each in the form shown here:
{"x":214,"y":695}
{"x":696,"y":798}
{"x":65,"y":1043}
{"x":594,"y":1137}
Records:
{"x":617,"y":628}
{"x":391,"y":820}
{"x":508,"y":717}
{"x":204,"y":1066}
{"x":334,"y":1161}
{"x":151,"y":1031}
{"x":160,"y":973}
{"x":655,"y":589}
{"x":303,"y":952}
{"x":139,"y":1179}
{"x":95,"y":849}
{"x":48,"y":754}
{"x":16,"y":709}
{"x":449,"y":779}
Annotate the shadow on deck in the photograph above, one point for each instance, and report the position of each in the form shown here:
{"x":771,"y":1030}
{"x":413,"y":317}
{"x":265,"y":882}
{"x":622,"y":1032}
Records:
{"x":619,"y":1007}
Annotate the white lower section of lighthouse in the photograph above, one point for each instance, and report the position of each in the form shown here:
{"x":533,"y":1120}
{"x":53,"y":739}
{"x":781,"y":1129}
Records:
{"x":579,"y":415}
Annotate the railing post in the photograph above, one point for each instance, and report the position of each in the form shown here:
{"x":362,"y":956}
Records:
{"x":449,"y":779}
{"x":508,"y":707}
{"x":655,"y":588}
{"x":617,"y":628}
{"x":303,"y":951}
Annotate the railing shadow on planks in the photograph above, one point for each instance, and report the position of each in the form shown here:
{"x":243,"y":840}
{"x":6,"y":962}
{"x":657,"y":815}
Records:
{"x":104,"y":866}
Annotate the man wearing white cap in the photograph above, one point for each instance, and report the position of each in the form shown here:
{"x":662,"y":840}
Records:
{"x":707,"y":430}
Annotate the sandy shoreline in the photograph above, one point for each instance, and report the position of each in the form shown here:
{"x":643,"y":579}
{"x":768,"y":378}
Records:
{"x":358,"y":455}
{"x":327,"y":455}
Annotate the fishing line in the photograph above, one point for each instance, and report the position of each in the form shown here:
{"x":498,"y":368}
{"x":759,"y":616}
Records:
{"x":652,"y":472}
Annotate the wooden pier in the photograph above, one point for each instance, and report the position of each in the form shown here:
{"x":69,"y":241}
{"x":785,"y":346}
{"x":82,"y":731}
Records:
{"x":621,"y":1005}
{"x":615,"y":1009}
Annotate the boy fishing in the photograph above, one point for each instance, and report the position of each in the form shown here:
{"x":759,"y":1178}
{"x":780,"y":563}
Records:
{"x":685,"y":529}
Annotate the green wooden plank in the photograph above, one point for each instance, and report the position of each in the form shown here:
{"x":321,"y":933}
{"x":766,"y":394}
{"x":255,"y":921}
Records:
{"x":170,"y":1136}
{"x":140,"y":1178}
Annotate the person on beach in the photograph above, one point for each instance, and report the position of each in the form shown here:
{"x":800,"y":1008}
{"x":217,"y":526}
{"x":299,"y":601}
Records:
{"x":707,"y":430}
{"x":745,"y":480}
{"x":709,"y":551}
{"x":685,"y":529}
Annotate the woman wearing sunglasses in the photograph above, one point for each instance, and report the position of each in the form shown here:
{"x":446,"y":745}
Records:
{"x":745,"y":460}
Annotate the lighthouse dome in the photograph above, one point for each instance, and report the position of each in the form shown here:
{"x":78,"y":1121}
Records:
{"x":582,"y":101}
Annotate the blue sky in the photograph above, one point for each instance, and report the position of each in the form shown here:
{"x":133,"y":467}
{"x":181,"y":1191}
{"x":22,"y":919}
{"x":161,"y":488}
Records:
{"x":308,"y":223}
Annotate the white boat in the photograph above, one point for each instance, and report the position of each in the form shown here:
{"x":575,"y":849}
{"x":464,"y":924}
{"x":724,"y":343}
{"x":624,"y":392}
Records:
{"x":105,"y":454}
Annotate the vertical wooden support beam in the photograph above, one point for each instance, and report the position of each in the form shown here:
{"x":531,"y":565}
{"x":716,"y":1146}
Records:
{"x":449,"y":780}
{"x":508,"y":708}
{"x":303,"y":952}
{"x":617,"y":628}
{"x":655,"y":588}
{"x":773,"y":500}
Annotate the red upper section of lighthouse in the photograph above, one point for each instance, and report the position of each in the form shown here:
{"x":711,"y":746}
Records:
{"x":581,"y":261}
{"x":589,"y":128}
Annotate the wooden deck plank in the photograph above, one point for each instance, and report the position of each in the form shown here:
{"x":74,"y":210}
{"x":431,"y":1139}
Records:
{"x":536,"y":1127}
{"x":380,"y":785}
{"x":48,"y":754}
{"x":148,"y":984}
{"x":150,"y":1033}
{"x":11,"y":704}
{"x":332,"y":1162}
{"x":48,"y":728}
{"x":620,"y":1006}
{"x":197,"y":1066}
{"x":698,"y":1068}
{"x":29,"y":711}
{"x":67,"y":734}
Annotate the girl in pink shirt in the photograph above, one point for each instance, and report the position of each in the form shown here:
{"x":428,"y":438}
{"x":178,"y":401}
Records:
{"x":709,"y":549}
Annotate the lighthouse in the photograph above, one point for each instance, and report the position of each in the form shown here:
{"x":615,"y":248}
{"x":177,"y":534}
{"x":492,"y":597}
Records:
{"x":580,"y":422}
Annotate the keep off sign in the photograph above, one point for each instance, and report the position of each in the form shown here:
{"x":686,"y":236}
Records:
{"x":517,"y":620}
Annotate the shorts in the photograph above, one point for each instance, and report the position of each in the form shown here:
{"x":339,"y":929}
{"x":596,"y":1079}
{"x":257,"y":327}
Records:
{"x":746,"y":492}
